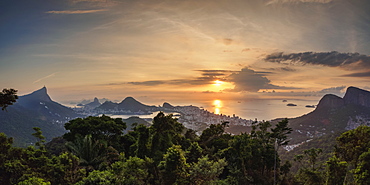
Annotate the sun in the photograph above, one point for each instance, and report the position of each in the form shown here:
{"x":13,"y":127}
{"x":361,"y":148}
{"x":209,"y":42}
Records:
{"x":218,"y":82}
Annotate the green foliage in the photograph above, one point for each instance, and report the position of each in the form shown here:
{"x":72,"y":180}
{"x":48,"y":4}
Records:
{"x":7,"y":97}
{"x":100,"y":128}
{"x":34,"y":181}
{"x":98,"y":178}
{"x":206,"y":171}
{"x":163,"y":153}
{"x":336,"y":171}
{"x":166,"y":131}
{"x":352,"y":147}
{"x":92,"y":153}
{"x":362,"y":172}
{"x":132,"y":171}
{"x":309,"y":173}
{"x":40,"y":138}
{"x":351,"y":144}
{"x":174,"y":167}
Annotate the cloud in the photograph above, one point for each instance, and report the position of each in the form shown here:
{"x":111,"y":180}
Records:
{"x":298,"y":1}
{"x":348,"y":61}
{"x":252,"y":81}
{"x":43,"y":78}
{"x":362,"y":74}
{"x":227,"y":41}
{"x":207,"y":77}
{"x":76,"y":11}
{"x":332,"y":90}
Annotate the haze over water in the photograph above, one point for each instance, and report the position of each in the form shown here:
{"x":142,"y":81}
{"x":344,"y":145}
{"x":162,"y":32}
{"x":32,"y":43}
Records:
{"x":261,"y":109}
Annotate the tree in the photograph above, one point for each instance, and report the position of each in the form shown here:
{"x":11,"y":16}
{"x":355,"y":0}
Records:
{"x":34,"y":181}
{"x":165,"y":131}
{"x":309,"y":173}
{"x":132,"y":171}
{"x":102,"y":128}
{"x":336,"y":171}
{"x":362,"y":172}
{"x":91,"y":152}
{"x":206,"y":171}
{"x":7,"y":97}
{"x":281,"y":132}
{"x":142,"y":141}
{"x":174,"y":167}
{"x":98,"y":178}
{"x":350,"y":146}
{"x":40,"y":138}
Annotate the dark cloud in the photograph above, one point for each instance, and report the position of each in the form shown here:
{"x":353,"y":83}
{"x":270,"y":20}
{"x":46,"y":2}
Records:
{"x":362,"y":74}
{"x":207,"y":77}
{"x":227,"y":41}
{"x":252,"y":81}
{"x":347,"y":61}
{"x":148,"y":83}
{"x":288,"y":69}
{"x":214,"y":71}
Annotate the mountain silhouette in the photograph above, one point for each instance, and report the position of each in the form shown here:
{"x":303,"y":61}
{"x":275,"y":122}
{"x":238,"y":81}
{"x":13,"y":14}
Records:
{"x":333,"y":114}
{"x":129,"y":104}
{"x":36,"y":109}
{"x":93,"y":105}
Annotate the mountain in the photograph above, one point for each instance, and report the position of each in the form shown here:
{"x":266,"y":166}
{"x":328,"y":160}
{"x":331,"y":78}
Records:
{"x":93,"y":105}
{"x":128,"y":105}
{"x":167,"y":106}
{"x":35,"y":110}
{"x":333,"y":114}
{"x":108,"y":105}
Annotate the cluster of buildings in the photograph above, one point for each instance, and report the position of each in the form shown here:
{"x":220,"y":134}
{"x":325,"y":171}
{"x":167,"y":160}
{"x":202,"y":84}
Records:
{"x":192,"y":115}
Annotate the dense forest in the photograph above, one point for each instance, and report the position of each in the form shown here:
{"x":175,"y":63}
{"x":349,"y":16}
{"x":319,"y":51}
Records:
{"x":96,"y":151}
{"x":100,"y":150}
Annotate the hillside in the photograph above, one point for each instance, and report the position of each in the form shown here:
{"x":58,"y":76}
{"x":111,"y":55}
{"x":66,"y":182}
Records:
{"x":36,"y":109}
{"x":333,"y":114}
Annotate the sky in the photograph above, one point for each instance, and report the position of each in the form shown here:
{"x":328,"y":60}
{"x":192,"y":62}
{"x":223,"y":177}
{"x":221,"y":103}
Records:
{"x":184,"y":50}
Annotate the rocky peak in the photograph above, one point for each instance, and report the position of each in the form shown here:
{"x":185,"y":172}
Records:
{"x":330,"y":101}
{"x":96,"y":100}
{"x":167,"y":105}
{"x":357,"y":96}
{"x":39,"y":95}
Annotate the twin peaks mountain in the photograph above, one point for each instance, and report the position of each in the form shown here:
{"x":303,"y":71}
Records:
{"x":333,"y":114}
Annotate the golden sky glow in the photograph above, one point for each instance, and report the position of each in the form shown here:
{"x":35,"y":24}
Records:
{"x":172,"y":50}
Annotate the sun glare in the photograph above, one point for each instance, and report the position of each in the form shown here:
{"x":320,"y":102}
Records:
{"x":218,"y":82}
{"x":217,"y":104}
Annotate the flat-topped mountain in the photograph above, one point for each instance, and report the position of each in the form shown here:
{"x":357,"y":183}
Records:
{"x":333,"y":114}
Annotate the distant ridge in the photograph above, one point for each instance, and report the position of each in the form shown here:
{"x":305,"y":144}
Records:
{"x":129,"y":104}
